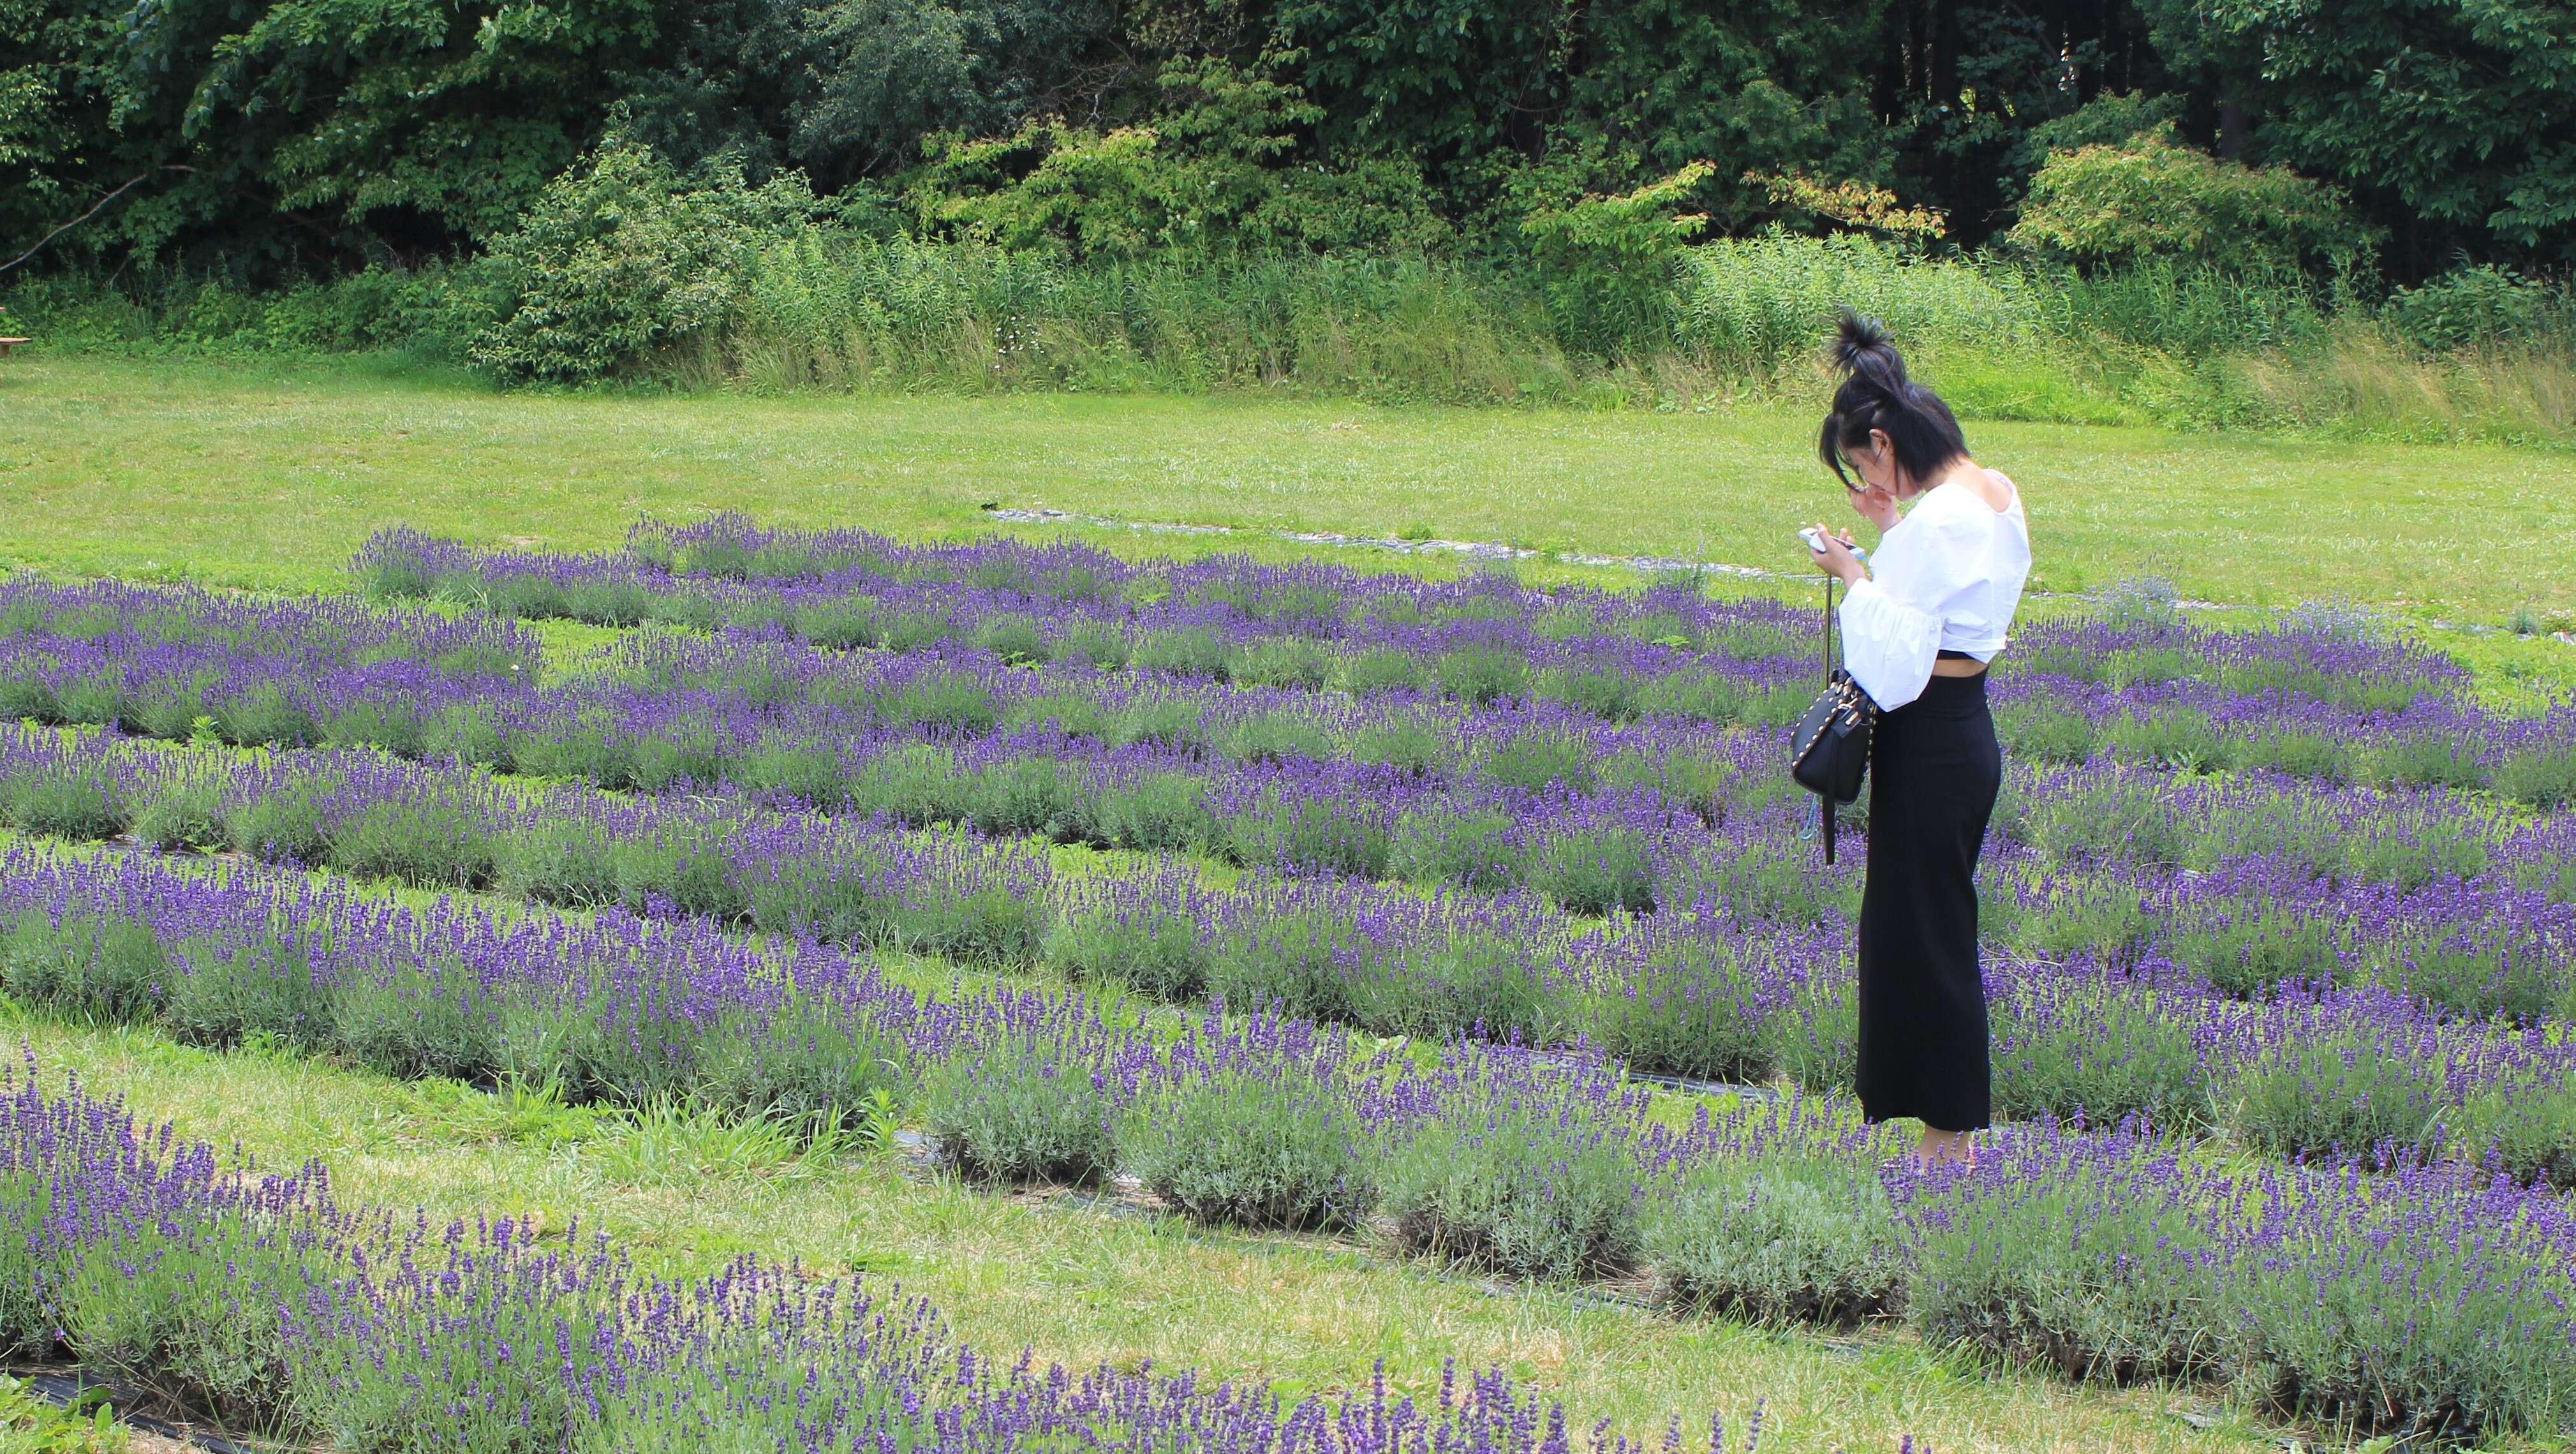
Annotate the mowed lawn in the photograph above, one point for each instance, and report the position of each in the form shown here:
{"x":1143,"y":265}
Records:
{"x":269,"y":472}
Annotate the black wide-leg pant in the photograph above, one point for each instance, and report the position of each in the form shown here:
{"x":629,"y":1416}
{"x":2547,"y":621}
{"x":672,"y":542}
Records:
{"x":1934,"y":772}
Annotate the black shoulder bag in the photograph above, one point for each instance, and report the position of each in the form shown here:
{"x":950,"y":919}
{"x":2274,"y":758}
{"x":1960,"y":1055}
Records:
{"x":1830,"y":752}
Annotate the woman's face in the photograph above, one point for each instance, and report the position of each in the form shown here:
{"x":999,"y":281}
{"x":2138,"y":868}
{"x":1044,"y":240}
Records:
{"x":1875,"y":463}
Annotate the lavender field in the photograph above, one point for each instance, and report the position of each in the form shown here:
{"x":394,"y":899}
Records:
{"x":1466,"y":920}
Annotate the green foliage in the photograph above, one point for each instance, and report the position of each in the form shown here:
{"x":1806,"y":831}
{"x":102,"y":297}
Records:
{"x":1020,"y":1111}
{"x":1516,"y":1191}
{"x":1778,"y":1240}
{"x":1603,"y":262}
{"x":2458,"y":114}
{"x":623,"y":260}
{"x":1252,"y":1151}
{"x":2152,"y":198}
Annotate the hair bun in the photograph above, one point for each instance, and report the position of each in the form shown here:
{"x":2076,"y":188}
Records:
{"x":1862,"y":349}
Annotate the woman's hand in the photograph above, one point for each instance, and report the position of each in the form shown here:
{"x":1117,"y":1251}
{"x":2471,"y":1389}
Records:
{"x":1876,"y":504}
{"x":1836,"y":559}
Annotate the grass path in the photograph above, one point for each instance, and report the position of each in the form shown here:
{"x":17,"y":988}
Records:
{"x":264,"y":472}
{"x":1085,"y":1286}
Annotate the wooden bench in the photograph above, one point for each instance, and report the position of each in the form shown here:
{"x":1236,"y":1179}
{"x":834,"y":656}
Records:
{"x":7,"y":344}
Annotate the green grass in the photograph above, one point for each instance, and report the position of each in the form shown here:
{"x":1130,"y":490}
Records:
{"x":268,"y":472}
{"x":1083,"y":1285}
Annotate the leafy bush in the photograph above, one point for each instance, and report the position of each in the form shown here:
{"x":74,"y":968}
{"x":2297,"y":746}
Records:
{"x":1472,"y":848}
{"x":1463,"y":982}
{"x":1020,"y":1110}
{"x":1254,"y":1150}
{"x":2100,"y":1051}
{"x":1153,"y":951}
{"x":268,"y":989}
{"x":1594,"y":871}
{"x":97,"y":967}
{"x":1698,"y":1011}
{"x":2097,"y":1271}
{"x":621,"y":261}
{"x":1778,"y":1239}
{"x":806,"y":1062}
{"x":1300,"y":960}
{"x":1329,"y":833}
{"x":2151,"y":198}
{"x":2527,"y":1129}
{"x":426,"y":844}
{"x":65,"y":803}
{"x":1517,"y":1190}
{"x":2337,"y":1094}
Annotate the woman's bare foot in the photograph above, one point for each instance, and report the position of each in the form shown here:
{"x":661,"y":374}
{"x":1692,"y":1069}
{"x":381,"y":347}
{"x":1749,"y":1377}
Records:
{"x":1945,"y":1148}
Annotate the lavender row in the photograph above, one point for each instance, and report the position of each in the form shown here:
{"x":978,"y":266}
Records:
{"x":1715,"y":991}
{"x":260,"y":1298}
{"x":2430,"y":1299}
{"x":821,"y":585}
{"x":1594,"y":816}
{"x":660,"y":707}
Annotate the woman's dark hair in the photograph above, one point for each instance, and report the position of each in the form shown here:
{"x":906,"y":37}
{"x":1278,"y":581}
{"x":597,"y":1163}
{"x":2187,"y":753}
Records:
{"x":1876,"y":394}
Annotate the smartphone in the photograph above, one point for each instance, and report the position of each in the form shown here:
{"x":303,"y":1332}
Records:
{"x":1815,"y":542}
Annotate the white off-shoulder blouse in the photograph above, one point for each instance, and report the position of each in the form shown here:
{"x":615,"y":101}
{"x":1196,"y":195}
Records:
{"x":1948,"y":577}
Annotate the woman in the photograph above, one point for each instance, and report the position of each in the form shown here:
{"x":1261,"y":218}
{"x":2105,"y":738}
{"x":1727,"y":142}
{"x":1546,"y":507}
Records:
{"x":1917,"y":637}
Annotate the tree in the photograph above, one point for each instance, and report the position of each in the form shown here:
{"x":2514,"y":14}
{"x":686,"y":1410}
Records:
{"x":2456,"y":118}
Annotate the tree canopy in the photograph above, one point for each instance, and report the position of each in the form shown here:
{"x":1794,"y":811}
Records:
{"x":270,"y":137}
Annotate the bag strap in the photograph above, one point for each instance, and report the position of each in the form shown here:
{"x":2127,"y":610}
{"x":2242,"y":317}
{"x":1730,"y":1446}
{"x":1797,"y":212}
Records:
{"x":1825,"y":800}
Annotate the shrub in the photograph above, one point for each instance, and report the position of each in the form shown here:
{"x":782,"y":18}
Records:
{"x":2427,"y":1320}
{"x":1015,"y":639}
{"x":1761,"y":880}
{"x":269,"y":988}
{"x":426,"y":844}
{"x":567,"y":862}
{"x":1300,"y":960}
{"x":1380,"y":669}
{"x":2337,"y":1094}
{"x":1254,"y":1150}
{"x":838,"y":898}
{"x":1699,"y":1010}
{"x":2150,"y":198}
{"x":1516,"y":1190}
{"x":1097,"y":643}
{"x":919,"y":783}
{"x":620,"y":261}
{"x":1193,"y":651}
{"x":1329,"y":833}
{"x":1778,"y":1239}
{"x":84,"y":805}
{"x":1540,"y":757}
{"x":1413,"y":746}
{"x":1462,"y":982}
{"x":846,"y":624}
{"x":1153,"y":951}
{"x":1594,"y":870}
{"x":1172,"y":722}
{"x":2100,"y":1271}
{"x":1820,"y":1035}
{"x":285,"y":821}
{"x":2253,"y":945}
{"x":96,"y":967}
{"x":2528,"y":1130}
{"x":1282,"y":661}
{"x":1473,"y":848}
{"x":1040,"y":795}
{"x":2100,"y":1051}
{"x":184,"y":815}
{"x":411,"y":1022}
{"x":1277,"y":737}
{"x":2542,"y":776}
{"x":806,"y":1062}
{"x":994,"y":925}
{"x":808,"y":772}
{"x":946,"y":704}
{"x":1161,"y":812}
{"x":1020,"y":1111}
{"x":1481,"y":675}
